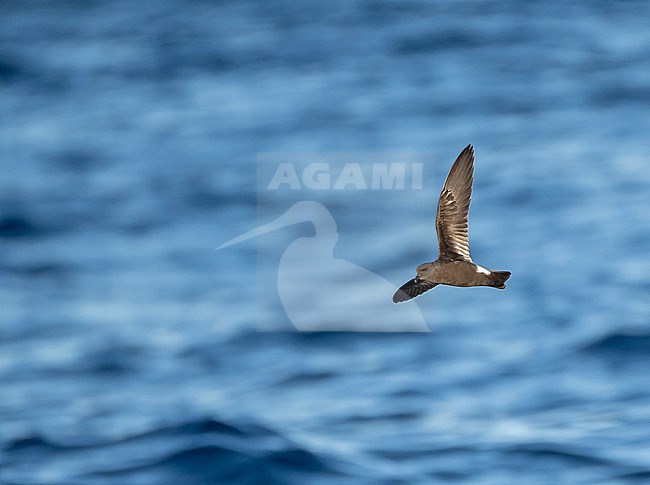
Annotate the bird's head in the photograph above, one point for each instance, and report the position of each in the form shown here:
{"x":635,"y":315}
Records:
{"x":424,"y":270}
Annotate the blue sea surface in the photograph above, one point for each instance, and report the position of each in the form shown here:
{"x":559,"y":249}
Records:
{"x":132,"y":352}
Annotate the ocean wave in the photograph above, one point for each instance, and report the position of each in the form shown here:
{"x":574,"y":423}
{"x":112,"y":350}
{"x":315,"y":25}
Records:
{"x":219,"y":463}
{"x":31,"y":442}
{"x":546,"y":451}
{"x":619,"y":343}
{"x":643,"y":476}
{"x":205,"y":450}
{"x":18,"y":226}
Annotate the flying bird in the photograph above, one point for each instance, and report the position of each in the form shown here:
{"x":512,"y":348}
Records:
{"x":454,"y":266}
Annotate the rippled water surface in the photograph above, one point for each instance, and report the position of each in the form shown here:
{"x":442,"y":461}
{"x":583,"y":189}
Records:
{"x":132,"y":352}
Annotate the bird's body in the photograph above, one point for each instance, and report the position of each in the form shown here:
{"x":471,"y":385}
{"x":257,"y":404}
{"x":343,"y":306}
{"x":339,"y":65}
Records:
{"x":454,"y":266}
{"x":462,"y":273}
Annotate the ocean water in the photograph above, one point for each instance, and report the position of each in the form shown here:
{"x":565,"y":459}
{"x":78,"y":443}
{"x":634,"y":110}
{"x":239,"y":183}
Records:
{"x":132,"y":352}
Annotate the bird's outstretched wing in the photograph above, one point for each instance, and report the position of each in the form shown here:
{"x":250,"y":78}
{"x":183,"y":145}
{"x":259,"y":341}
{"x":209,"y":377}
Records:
{"x":411,"y":289}
{"x":453,"y":209}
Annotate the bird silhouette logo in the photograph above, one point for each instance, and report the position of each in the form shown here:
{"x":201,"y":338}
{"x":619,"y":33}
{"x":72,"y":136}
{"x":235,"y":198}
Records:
{"x":322,"y":293}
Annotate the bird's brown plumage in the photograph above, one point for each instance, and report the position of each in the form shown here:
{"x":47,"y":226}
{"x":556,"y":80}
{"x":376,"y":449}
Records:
{"x":453,"y":209}
{"x":454,"y":265}
{"x":411,"y":289}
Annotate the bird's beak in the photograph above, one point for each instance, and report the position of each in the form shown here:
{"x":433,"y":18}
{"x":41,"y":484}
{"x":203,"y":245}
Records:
{"x":279,"y":223}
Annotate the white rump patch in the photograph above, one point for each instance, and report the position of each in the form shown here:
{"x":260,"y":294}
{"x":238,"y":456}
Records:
{"x":481,"y":269}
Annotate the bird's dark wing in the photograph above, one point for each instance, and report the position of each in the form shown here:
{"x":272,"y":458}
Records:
{"x":453,"y":209}
{"x":411,"y":289}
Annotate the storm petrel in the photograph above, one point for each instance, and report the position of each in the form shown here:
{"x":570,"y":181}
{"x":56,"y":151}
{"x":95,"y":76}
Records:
{"x":454,"y":265}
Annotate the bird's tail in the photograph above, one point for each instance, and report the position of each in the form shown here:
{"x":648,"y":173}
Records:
{"x":498,"y":279}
